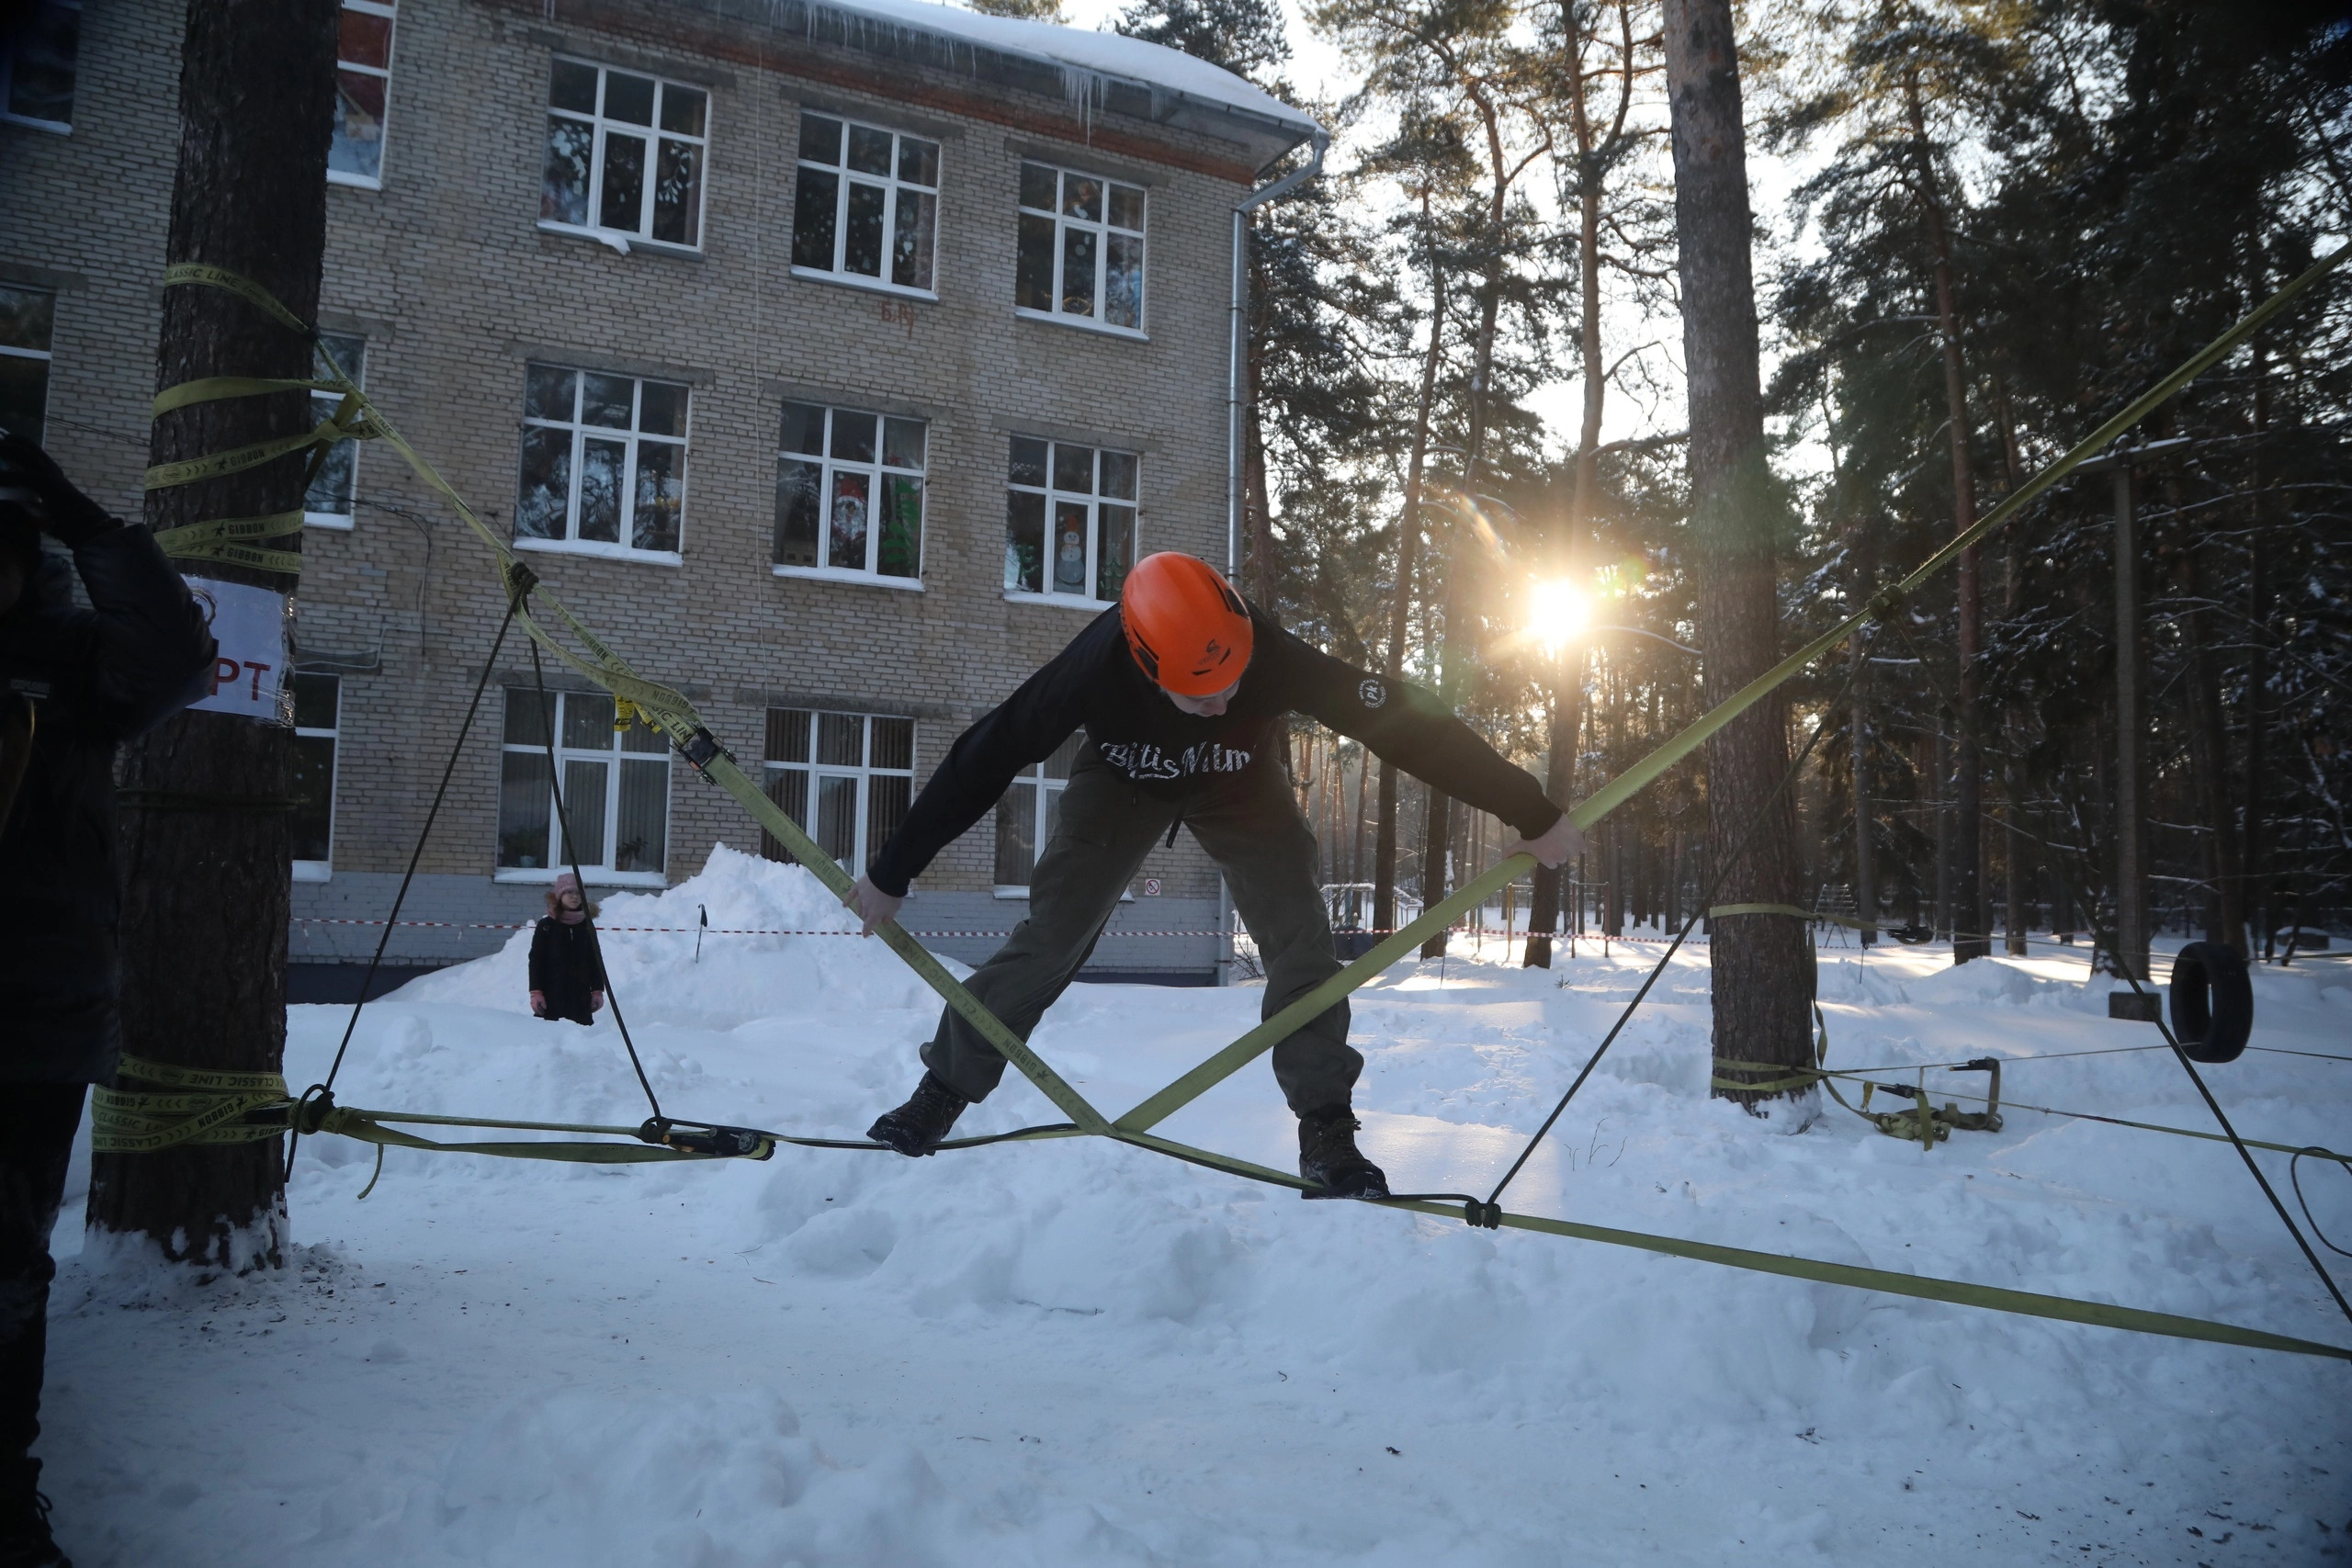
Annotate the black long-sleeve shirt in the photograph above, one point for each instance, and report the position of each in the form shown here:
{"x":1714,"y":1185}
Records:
{"x":1094,"y":683}
{"x":94,"y":677}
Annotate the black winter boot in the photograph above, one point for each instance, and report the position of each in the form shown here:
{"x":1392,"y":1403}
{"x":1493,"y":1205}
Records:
{"x":1328,"y":1154}
{"x":24,"y":1540}
{"x":916,"y":1127}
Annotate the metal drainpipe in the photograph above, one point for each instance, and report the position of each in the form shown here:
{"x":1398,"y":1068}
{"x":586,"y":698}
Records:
{"x":1236,"y":347}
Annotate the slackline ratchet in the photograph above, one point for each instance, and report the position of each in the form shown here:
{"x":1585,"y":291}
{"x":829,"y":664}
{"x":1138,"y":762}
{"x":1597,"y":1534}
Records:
{"x":258,"y":1105}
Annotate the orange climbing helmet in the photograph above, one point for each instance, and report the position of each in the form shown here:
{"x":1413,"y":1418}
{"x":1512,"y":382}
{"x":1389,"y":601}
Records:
{"x":1185,"y":625}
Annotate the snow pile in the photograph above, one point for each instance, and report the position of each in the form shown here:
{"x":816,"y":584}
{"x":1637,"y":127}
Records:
{"x":736,"y":977}
{"x":1076,"y":1352}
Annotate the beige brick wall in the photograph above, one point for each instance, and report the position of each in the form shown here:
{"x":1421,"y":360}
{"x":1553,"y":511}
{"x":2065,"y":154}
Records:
{"x":455,"y":287}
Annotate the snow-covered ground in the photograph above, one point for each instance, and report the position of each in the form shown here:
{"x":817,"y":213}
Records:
{"x":1079,"y":1353}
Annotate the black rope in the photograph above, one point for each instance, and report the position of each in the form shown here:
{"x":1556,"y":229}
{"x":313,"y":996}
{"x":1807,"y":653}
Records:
{"x":416,"y":854}
{"x":1706,"y":901}
{"x":2296,"y":1159}
{"x":2244,"y":1153}
{"x":571,"y":856}
{"x":2123,"y":967}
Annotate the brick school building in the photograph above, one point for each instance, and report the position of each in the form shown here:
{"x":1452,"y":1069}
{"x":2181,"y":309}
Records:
{"x":833,"y":361}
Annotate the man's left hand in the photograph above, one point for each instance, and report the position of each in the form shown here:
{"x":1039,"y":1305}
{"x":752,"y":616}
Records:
{"x":1559,"y":845}
{"x":65,"y":513}
{"x":595,"y":1002}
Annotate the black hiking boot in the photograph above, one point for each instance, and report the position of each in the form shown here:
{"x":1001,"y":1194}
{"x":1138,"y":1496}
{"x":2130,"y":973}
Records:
{"x":24,"y":1540}
{"x":916,"y":1127}
{"x":1328,"y":1154}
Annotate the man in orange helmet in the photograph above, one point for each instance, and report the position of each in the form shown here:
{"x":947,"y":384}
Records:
{"x":1181,"y":689}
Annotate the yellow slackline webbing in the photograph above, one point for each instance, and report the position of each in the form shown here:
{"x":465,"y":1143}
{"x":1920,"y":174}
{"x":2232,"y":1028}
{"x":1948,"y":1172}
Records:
{"x":2065,"y":1309}
{"x":209,"y":1107}
{"x":237,"y":460}
{"x":670,"y":712}
{"x":236,"y":283}
{"x":211,"y":389}
{"x":1271,"y":1033}
{"x":228,"y":539}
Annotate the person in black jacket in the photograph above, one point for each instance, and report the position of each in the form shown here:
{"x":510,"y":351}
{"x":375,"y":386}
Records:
{"x":77,"y":683}
{"x":567,"y":969}
{"x":1182,"y":689}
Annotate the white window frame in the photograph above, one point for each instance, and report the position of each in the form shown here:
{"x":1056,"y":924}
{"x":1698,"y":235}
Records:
{"x":1102,"y":230}
{"x":322,"y":870}
{"x":876,"y":474}
{"x":382,"y":72}
{"x":865,"y":771}
{"x":602,"y":129}
{"x":890,"y":185}
{"x":323,"y":407}
{"x":46,"y":356}
{"x":1044,"y":789}
{"x":599,"y":872}
{"x":9,"y":74}
{"x":632,"y":439}
{"x":1095,"y":502}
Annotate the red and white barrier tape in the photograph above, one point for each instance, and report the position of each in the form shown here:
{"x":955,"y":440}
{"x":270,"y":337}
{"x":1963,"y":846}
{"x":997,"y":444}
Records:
{"x":675,"y":931}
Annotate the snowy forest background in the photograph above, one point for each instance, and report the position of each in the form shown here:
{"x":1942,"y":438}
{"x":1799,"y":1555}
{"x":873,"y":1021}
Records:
{"x":1465,"y":350}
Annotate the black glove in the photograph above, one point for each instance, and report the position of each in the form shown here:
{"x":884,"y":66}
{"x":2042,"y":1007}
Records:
{"x":62,"y":511}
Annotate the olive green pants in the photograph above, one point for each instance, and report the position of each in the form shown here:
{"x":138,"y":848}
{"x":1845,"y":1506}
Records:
{"x":1251,"y":826}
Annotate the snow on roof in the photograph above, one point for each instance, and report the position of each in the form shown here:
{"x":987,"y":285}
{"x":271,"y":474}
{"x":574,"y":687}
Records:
{"x":1085,"y":59}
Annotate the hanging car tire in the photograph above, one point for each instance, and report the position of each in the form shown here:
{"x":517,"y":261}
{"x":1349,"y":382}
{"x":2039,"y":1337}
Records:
{"x":2212,"y":1002}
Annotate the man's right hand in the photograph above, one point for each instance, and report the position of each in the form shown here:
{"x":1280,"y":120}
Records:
{"x":1555,"y":848}
{"x":539,"y":1003}
{"x":63,"y":512}
{"x":871,"y":905}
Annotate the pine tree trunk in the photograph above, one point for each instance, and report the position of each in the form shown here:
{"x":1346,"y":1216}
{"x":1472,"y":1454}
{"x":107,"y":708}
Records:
{"x":2257,"y":677}
{"x":1454,"y":651}
{"x":1763,"y":971}
{"x":1967,"y":851}
{"x":2014,"y":852}
{"x":1865,"y":811}
{"x":1940,"y":770}
{"x":207,"y":862}
{"x":1400,"y":606}
{"x":2209,"y":759}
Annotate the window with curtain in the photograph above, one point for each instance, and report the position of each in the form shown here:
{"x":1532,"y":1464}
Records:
{"x":363,"y":83}
{"x":334,"y":489}
{"x":615,"y":791}
{"x":604,"y":463}
{"x":866,"y":204}
{"x":318,"y":710}
{"x":1070,"y":530}
{"x":625,"y":155}
{"x":1079,"y":249}
{"x":27,"y":317}
{"x":849,"y":494}
{"x":846,"y":778}
{"x":39,"y":64}
{"x":1025,"y":817}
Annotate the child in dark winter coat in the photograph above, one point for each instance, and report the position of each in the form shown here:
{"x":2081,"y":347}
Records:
{"x":567,"y":970}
